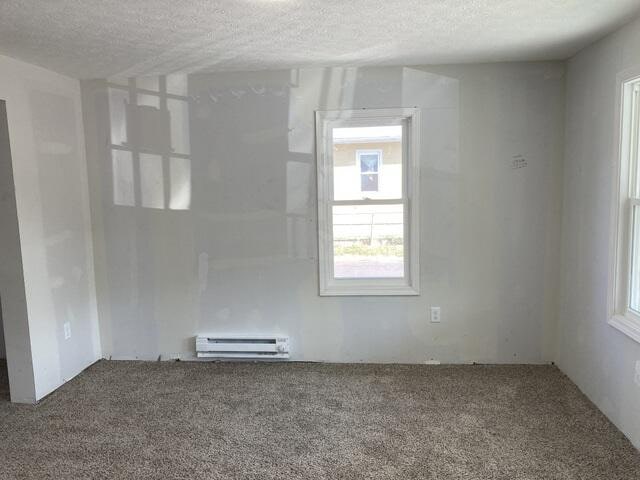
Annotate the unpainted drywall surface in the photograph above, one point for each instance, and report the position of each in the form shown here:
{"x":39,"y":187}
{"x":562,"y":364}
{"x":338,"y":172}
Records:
{"x":598,"y":358}
{"x":49,"y":171}
{"x":224,"y":239}
{"x":13,"y":303}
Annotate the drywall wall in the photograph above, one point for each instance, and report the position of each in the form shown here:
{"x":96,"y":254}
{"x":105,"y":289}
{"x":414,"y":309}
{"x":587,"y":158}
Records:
{"x":598,"y":358}
{"x":49,"y":172}
{"x":204,"y":212}
{"x":13,"y":301}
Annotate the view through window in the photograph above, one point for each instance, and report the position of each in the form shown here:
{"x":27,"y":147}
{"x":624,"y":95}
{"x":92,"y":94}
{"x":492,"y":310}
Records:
{"x":368,"y":239}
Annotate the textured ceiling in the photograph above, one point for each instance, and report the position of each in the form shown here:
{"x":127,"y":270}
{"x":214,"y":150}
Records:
{"x":101,"y":38}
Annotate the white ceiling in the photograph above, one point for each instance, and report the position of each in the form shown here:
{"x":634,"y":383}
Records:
{"x":101,"y":38}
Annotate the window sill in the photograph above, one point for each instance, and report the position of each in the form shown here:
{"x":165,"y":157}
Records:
{"x":628,"y":326}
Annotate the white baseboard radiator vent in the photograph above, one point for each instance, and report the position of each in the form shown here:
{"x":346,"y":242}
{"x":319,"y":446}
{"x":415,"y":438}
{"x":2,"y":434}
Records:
{"x":242,"y":346}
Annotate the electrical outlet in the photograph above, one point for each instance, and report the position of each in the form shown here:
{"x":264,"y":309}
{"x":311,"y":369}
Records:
{"x":637,"y":377}
{"x":67,"y":330}
{"x":435,"y":314}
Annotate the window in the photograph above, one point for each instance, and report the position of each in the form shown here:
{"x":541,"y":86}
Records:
{"x":369,"y":161}
{"x":368,"y":180}
{"x":625,"y":273}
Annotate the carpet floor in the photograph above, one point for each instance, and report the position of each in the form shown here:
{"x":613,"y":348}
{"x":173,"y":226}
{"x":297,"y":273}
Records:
{"x":135,"y":420}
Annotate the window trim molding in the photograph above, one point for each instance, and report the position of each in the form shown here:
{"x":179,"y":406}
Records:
{"x":619,"y":315}
{"x":410,"y":284}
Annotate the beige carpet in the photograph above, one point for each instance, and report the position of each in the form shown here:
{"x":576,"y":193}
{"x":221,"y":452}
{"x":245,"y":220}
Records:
{"x":129,"y":420}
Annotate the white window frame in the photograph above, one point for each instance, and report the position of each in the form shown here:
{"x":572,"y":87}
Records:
{"x":359,"y":154}
{"x":620,"y":315}
{"x":325,"y":122}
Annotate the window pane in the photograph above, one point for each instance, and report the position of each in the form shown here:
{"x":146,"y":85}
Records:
{"x":369,"y":162}
{"x":634,"y":293}
{"x":367,"y":150}
{"x":368,"y":241}
{"x":369,"y":182}
{"x":634,"y":150}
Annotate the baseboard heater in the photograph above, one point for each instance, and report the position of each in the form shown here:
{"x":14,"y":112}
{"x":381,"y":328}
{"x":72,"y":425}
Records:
{"x":242,"y":346}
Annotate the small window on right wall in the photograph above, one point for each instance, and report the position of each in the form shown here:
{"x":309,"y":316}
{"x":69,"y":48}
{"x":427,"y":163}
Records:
{"x":624,"y":295}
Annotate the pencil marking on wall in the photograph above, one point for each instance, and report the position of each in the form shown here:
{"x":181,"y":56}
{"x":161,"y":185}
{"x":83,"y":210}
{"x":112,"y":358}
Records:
{"x":518,"y":161}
